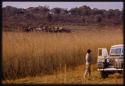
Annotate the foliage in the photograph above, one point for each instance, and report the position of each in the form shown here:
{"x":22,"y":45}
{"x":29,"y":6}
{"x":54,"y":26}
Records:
{"x":18,"y":18}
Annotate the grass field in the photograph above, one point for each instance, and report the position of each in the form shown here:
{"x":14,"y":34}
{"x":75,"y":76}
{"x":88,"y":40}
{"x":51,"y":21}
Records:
{"x":74,"y":76}
{"x":37,"y":53}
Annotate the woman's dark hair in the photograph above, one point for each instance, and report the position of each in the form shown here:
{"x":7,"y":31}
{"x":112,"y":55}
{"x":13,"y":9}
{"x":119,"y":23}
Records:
{"x":88,"y":51}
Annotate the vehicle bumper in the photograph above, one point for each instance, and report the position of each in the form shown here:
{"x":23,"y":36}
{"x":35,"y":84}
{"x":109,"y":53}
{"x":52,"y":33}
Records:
{"x":110,"y":69}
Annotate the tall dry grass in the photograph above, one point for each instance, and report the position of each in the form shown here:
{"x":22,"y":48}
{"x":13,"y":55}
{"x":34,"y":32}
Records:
{"x":29,"y":54}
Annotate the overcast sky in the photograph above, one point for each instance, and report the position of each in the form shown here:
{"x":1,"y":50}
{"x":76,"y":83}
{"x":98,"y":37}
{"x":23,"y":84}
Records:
{"x":67,"y":5}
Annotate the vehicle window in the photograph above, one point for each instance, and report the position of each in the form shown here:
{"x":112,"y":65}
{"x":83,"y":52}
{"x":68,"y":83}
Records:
{"x":115,"y":51}
{"x":100,"y":52}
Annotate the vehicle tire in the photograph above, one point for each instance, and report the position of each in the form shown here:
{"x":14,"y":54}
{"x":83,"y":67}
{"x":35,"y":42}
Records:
{"x":120,"y":72}
{"x":103,"y":74}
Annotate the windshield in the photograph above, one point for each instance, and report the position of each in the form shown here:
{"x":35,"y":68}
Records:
{"x":115,"y":51}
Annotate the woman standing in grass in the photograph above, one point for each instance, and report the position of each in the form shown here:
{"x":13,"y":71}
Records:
{"x":88,"y":60}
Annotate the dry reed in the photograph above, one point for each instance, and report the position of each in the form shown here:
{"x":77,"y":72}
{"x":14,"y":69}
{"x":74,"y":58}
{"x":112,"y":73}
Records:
{"x":29,"y":54}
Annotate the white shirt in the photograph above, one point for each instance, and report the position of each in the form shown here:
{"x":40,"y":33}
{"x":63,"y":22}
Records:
{"x":88,"y":58}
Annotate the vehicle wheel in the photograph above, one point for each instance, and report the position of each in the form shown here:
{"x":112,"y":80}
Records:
{"x":103,"y":74}
{"x":120,"y":72}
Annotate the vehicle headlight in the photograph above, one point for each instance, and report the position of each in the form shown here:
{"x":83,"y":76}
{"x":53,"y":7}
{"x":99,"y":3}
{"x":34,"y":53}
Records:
{"x":108,"y":60}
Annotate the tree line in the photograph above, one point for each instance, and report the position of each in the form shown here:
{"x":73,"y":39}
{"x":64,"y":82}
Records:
{"x":19,"y":18}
